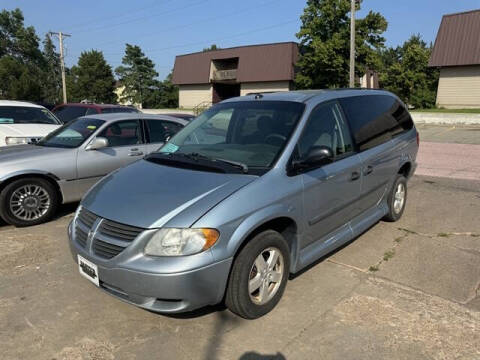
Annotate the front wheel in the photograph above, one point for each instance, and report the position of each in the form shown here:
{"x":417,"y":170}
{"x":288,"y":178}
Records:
{"x":259,"y":276}
{"x":28,"y":201}
{"x":397,"y":199}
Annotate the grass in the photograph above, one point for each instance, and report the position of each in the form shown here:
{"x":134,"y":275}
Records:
{"x":373,"y":268}
{"x":399,"y":239}
{"x":408,"y":231}
{"x":388,"y":255}
{"x":443,"y":235}
{"x":448,"y":111}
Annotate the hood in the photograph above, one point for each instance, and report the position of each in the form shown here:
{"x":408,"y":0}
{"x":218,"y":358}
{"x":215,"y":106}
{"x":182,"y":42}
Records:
{"x":20,"y":155}
{"x":150,"y":195}
{"x":26,"y":130}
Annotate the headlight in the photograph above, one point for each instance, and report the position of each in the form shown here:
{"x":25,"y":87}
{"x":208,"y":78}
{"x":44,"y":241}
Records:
{"x":178,"y":242}
{"x":16,"y":140}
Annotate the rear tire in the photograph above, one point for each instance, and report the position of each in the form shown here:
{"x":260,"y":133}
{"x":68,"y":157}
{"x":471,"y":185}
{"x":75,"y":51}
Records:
{"x":28,"y":201}
{"x":397,"y":199}
{"x":259,"y":276}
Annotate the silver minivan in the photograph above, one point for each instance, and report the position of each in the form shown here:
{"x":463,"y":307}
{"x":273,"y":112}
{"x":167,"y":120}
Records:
{"x":254,"y":189}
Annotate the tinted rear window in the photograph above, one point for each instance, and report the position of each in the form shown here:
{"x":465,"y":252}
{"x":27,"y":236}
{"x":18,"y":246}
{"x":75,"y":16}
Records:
{"x":374,"y":119}
{"x":68,"y":113}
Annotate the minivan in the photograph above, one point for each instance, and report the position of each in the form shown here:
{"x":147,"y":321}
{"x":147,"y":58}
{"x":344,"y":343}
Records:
{"x":254,"y":189}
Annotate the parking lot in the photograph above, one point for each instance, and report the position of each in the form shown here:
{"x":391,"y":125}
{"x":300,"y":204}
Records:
{"x":409,"y":289}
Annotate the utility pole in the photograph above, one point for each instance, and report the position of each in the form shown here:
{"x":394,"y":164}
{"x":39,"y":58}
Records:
{"x":352,"y":44}
{"x":62,"y":62}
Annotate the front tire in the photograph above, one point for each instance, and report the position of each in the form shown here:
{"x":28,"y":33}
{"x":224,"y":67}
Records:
{"x":28,"y":201}
{"x":259,"y":276}
{"x":397,"y":199}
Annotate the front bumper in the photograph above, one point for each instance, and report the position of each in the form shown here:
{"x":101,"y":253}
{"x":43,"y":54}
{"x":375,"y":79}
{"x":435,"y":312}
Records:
{"x":172,"y":292}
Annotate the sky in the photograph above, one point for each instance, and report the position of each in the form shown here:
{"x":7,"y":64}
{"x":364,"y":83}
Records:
{"x":166,"y":28}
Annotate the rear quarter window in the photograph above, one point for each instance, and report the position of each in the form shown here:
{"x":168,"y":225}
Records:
{"x":375,"y":119}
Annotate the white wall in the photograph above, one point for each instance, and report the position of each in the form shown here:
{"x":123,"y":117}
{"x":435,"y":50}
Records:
{"x":459,"y":87}
{"x":192,"y":95}
{"x":264,"y":86}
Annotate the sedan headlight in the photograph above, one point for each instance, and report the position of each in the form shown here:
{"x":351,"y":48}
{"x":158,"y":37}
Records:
{"x":178,"y":242}
{"x":10,"y":140}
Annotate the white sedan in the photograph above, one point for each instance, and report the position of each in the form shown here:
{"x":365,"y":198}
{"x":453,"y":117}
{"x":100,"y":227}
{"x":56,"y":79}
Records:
{"x":23,"y":122}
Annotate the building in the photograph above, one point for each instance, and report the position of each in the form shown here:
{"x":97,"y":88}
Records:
{"x":457,"y":54}
{"x":212,"y":76}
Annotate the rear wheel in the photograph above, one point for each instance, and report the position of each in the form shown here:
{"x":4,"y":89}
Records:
{"x":259,"y":276}
{"x":28,"y":201}
{"x":397,"y":199}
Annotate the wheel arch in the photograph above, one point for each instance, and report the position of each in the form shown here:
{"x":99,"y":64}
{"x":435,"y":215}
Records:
{"x":51,"y":178}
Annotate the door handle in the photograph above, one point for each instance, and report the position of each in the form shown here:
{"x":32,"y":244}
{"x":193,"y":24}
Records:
{"x":368,"y":170}
{"x":355,"y":176}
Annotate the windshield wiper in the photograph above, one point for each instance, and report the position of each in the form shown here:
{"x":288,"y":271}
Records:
{"x":195,"y":156}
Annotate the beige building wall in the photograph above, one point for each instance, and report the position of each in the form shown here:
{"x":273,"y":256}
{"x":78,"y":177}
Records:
{"x":193,"y":95}
{"x":264,"y":87}
{"x":459,"y":87}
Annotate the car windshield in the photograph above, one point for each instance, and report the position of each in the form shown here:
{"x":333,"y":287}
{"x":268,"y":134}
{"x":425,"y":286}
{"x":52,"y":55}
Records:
{"x":26,"y":115}
{"x":248,"y":135}
{"x":73,"y":134}
{"x":67,"y":113}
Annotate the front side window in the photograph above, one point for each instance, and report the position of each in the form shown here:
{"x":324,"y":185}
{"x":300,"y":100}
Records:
{"x":68,"y":113}
{"x":160,"y":131}
{"x":73,"y":134}
{"x":123,"y":133}
{"x":26,"y":115}
{"x":252,"y":133}
{"x":326,"y":127}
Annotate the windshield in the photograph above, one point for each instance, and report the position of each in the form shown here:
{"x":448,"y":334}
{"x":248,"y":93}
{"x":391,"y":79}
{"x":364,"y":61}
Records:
{"x":251,"y":134}
{"x":73,"y":134}
{"x":67,"y":113}
{"x":26,"y":115}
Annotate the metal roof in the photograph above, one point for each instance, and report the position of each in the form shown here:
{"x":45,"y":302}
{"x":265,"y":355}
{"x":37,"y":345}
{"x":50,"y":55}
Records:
{"x":134,"y":116}
{"x":256,"y":63}
{"x":19,"y":103}
{"x":458,"y":40}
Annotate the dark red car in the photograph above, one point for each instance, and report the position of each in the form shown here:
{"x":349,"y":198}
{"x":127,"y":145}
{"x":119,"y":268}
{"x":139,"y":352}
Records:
{"x":70,"y":111}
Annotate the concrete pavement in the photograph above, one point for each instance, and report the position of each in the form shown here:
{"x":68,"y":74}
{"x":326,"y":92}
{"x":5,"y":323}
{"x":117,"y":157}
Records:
{"x":405,"y":290}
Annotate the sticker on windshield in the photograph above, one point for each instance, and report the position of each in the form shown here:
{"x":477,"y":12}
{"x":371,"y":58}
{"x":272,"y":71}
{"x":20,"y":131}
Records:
{"x":91,"y":127}
{"x":169,"y":148}
{"x":6,"y":121}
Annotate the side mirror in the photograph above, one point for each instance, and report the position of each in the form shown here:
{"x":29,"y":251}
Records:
{"x":97,"y":143}
{"x":317,"y":156}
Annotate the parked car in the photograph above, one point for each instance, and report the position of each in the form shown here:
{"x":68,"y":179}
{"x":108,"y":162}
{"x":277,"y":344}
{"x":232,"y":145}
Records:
{"x":254,"y":189}
{"x":70,"y":111}
{"x":62,"y":166}
{"x":188,"y":117}
{"x":23,"y":122}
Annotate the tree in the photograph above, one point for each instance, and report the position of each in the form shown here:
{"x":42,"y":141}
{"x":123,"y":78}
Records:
{"x":52,"y":85}
{"x":211,"y":48}
{"x":137,"y":75}
{"x":163,"y":95}
{"x":325,"y":44}
{"x":407,"y":74}
{"x":92,"y":79}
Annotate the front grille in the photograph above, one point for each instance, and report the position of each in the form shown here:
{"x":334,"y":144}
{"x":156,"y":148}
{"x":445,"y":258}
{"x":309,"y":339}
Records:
{"x":87,"y":218}
{"x":109,"y":240}
{"x":105,"y":249}
{"x":119,"y":231}
{"x":81,"y":237}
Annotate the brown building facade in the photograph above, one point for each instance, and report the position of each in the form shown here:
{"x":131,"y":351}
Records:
{"x":213,"y":76}
{"x":457,"y":54}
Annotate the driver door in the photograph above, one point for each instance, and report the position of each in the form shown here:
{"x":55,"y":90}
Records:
{"x":126,"y":145}
{"x":331,"y":192}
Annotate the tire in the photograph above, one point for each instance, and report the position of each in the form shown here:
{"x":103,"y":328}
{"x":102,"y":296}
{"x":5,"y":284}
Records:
{"x":238,"y":297}
{"x":39,"y":205}
{"x":395,"y":211}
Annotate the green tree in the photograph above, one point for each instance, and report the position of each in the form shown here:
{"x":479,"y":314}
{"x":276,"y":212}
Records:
{"x":137,"y":75}
{"x":92,"y":79}
{"x":407,"y":74}
{"x":211,"y":48}
{"x":325,"y":44}
{"x":21,"y":61}
{"x":162,"y":95}
{"x":52,"y":85}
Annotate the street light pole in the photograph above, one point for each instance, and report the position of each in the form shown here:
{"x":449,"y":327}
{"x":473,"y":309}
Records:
{"x":62,"y":62}
{"x":352,"y":44}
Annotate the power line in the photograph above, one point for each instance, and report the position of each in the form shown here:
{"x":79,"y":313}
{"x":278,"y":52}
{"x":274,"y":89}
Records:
{"x":141,"y":18}
{"x":217,"y":17}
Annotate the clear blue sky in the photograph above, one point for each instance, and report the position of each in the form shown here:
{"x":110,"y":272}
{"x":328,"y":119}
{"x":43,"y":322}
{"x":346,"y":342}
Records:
{"x":165,"y":28}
